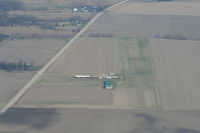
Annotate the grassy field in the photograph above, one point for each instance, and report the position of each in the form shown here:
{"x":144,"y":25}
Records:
{"x":139,"y":86}
{"x":68,"y":80}
{"x":64,"y":89}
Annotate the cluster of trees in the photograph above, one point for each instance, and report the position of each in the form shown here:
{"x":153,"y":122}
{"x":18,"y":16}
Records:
{"x":52,"y":24}
{"x":47,"y":26}
{"x":101,"y":35}
{"x":3,"y":37}
{"x":23,"y":20}
{"x":96,"y":8}
{"x":77,"y":20}
{"x":19,"y":66}
{"x":28,"y":20}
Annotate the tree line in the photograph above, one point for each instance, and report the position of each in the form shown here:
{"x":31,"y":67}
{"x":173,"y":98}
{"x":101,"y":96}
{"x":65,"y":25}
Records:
{"x":19,"y":66}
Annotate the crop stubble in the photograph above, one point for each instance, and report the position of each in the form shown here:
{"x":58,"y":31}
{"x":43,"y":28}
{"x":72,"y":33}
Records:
{"x":89,"y":55}
{"x":177,"y":65}
{"x":159,"y":8}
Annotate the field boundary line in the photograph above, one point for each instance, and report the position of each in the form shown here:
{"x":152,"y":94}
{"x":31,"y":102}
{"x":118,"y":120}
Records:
{"x":157,"y":83}
{"x":53,"y":59}
{"x":79,"y":106}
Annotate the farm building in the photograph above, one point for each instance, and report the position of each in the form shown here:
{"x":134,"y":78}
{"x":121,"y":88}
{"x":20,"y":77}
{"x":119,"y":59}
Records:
{"x":75,"y":10}
{"x":108,"y":84}
{"x":82,"y":76}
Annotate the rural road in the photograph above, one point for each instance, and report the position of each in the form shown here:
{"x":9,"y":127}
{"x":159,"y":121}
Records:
{"x":37,"y":75}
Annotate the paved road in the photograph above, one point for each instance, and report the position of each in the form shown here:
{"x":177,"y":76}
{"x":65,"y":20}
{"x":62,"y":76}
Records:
{"x":28,"y":85}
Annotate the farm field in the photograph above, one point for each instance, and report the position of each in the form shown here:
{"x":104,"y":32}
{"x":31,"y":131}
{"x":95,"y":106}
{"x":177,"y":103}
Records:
{"x":137,"y":90}
{"x":34,"y":32}
{"x":59,"y":80}
{"x":177,"y":65}
{"x":33,"y":36}
{"x":159,"y":8}
{"x":185,"y":27}
{"x":52,"y":16}
{"x":57,"y":6}
{"x":29,"y":120}
{"x":42,"y":25}
{"x":130,"y":53}
{"x":89,"y":55}
{"x":11,"y":83}
{"x":33,"y":39}
{"x":131,"y":57}
{"x":29,"y":50}
{"x":54,"y":4}
{"x":150,"y":26}
{"x":125,"y":25}
{"x":62,"y":89}
{"x":156,"y":55}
